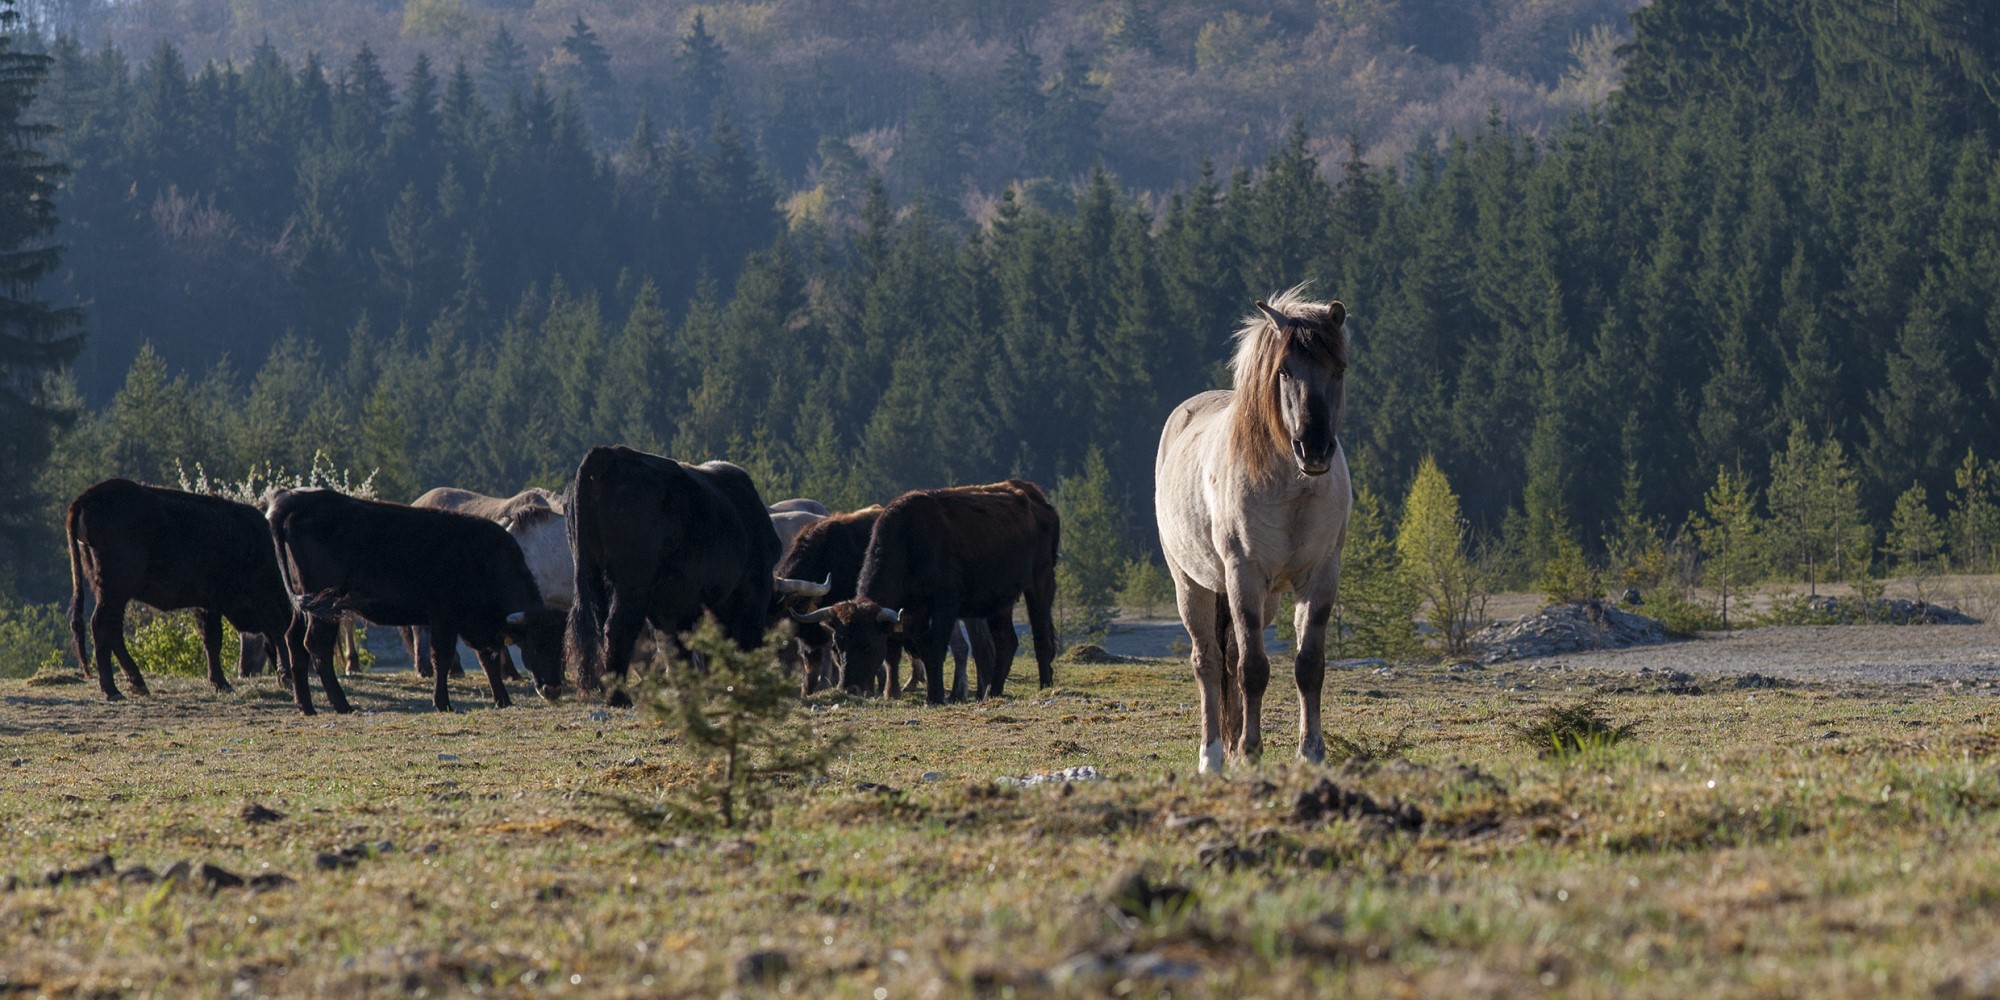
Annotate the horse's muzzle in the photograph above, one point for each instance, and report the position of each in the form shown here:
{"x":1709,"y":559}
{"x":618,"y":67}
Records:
{"x":1313,"y":465}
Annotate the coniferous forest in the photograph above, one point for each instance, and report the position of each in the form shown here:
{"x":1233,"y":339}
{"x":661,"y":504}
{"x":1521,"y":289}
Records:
{"x":1778,"y":234}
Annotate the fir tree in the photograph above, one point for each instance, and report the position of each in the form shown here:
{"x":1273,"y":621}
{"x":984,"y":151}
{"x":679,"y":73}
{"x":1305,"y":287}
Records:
{"x":1376,"y":612}
{"x":587,"y":60}
{"x":1093,"y":549}
{"x":1916,"y":539}
{"x":1729,"y":534}
{"x":1975,"y":514}
{"x":699,"y":76}
{"x":502,"y":65}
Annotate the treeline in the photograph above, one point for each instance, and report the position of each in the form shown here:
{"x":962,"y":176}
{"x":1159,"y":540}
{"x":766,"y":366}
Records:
{"x":1582,"y":331}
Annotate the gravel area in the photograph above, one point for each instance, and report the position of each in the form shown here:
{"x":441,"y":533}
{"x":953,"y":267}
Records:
{"x":1880,"y":653}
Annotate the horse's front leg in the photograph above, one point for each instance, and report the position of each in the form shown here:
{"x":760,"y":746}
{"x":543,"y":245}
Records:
{"x":1197,"y":608}
{"x":1309,"y":668}
{"x":1247,"y":596}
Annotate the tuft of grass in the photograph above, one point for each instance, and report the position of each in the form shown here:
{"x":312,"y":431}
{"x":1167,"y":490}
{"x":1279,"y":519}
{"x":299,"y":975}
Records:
{"x":1367,"y":749}
{"x":1561,"y":731}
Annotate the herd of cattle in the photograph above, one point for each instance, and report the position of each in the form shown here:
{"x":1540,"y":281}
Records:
{"x":572,"y":581}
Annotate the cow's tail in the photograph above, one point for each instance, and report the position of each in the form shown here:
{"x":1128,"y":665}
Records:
{"x":276,"y":511}
{"x":583,"y":639}
{"x":76,"y":590}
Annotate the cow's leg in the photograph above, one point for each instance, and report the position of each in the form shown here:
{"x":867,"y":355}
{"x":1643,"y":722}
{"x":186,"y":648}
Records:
{"x":960,"y":647}
{"x":444,"y":658}
{"x":621,"y":631}
{"x":210,"y":624}
{"x":252,"y":654}
{"x":936,"y":639}
{"x":1005,"y":641}
{"x":416,"y":643}
{"x":809,"y":668}
{"x":125,"y":662}
{"x":300,"y":657}
{"x":107,"y":623}
{"x":1247,"y":595}
{"x":323,"y":638}
{"x":980,"y":638}
{"x":889,"y":673}
{"x":1042,"y":625}
{"x":497,"y":662}
{"x":350,"y":650}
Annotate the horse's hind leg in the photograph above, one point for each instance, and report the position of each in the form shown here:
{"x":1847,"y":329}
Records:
{"x":1231,"y":672}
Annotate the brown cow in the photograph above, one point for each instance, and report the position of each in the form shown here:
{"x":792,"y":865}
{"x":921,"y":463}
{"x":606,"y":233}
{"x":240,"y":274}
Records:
{"x":172,"y":550}
{"x":936,"y":556}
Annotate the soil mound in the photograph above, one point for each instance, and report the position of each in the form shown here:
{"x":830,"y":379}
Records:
{"x":1568,"y":628}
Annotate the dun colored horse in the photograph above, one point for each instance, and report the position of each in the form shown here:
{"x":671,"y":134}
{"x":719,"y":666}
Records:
{"x":1252,"y":497}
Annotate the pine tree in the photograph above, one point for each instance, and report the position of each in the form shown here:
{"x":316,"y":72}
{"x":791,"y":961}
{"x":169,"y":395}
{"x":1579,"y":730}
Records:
{"x":1018,"y":107}
{"x":1376,"y":612}
{"x":37,"y":337}
{"x":502,"y":65}
{"x":1916,"y":538}
{"x":1919,"y":410}
{"x":1975,"y":515}
{"x":1815,"y":507}
{"x":1430,"y":541}
{"x":932,"y":159}
{"x":587,"y":60}
{"x":699,"y":76}
{"x":1093,"y":549}
{"x":1729,"y":534}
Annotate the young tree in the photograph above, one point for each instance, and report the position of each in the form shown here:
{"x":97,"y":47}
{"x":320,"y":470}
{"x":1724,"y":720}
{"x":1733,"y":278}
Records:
{"x":1376,"y":613}
{"x":1815,"y":506}
{"x":1728,"y":531}
{"x":1975,"y":515}
{"x":37,"y":337}
{"x":1915,"y":539}
{"x":1431,"y":543}
{"x":1093,"y":548}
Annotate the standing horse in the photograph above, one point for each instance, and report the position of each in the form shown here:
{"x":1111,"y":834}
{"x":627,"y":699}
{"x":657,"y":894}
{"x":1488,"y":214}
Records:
{"x":1252,"y":497}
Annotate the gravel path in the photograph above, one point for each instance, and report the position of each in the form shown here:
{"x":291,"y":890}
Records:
{"x":1881,"y":653}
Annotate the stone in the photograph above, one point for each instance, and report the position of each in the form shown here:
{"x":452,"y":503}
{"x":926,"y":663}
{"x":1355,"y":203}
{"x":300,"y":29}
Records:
{"x":1568,"y":628}
{"x":211,"y":877}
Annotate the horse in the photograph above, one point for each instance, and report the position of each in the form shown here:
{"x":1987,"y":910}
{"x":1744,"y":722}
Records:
{"x":1252,"y":497}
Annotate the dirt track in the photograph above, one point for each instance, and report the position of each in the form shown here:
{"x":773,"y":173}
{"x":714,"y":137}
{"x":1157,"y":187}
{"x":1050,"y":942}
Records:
{"x":1880,"y":653}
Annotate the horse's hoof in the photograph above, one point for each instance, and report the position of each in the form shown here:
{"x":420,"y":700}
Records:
{"x":1210,"y":760}
{"x":1313,"y":751}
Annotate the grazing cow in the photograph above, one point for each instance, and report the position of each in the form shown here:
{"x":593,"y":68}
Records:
{"x":1252,"y":500}
{"x":788,"y":524}
{"x":170,"y":550}
{"x":397,"y":565}
{"x":832,"y":550}
{"x":534,"y":517}
{"x":662,"y":541}
{"x":936,"y":556}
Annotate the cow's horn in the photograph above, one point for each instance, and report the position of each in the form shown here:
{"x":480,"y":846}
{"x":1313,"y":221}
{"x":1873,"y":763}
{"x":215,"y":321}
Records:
{"x":1284,"y":322}
{"x":518,"y":619}
{"x":889,"y":616}
{"x":813,"y":617}
{"x":804,"y":588}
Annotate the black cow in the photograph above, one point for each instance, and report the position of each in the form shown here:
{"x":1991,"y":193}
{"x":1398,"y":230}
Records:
{"x":462,"y":576}
{"x":170,"y":550}
{"x":832,"y":549}
{"x":936,"y":556}
{"x":662,"y":541}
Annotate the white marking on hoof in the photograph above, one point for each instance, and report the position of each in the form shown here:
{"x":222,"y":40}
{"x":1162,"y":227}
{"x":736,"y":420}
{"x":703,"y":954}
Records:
{"x":1210,"y":761}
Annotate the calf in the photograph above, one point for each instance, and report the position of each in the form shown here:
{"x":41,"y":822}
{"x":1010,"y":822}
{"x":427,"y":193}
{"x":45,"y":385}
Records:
{"x":833,"y":549}
{"x":172,"y":550}
{"x":534,"y":517}
{"x":462,"y":576}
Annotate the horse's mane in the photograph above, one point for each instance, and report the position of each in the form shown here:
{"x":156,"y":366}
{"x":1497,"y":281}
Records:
{"x":1257,"y":436}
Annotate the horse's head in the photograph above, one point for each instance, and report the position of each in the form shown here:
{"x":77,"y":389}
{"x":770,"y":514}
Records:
{"x":1300,"y":358}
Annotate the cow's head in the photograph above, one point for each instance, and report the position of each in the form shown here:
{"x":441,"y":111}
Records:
{"x":861,"y":630}
{"x":539,"y":634}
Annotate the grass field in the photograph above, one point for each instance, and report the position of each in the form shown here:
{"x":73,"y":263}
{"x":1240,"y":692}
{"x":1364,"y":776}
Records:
{"x":1797,"y":840}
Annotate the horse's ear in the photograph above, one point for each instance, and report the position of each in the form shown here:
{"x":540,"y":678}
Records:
{"x":1336,"y":314}
{"x":1284,"y":322}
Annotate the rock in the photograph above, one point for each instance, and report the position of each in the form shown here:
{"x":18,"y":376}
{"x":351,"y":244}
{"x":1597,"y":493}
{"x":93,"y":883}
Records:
{"x":179,"y":871}
{"x":1154,"y":965}
{"x":447,"y":757}
{"x":269,"y":881}
{"x":1366,"y":663}
{"x":932,"y":776}
{"x":101,"y":866}
{"x":213,"y":878}
{"x":139,"y":874}
{"x":1081,"y":772}
{"x":256,"y":814}
{"x":1759,"y":682}
{"x":876,"y":787}
{"x":762,"y":967}
{"x":1568,"y":628}
{"x":1227,"y":854}
{"x":327,"y":861}
{"x":1136,"y":897}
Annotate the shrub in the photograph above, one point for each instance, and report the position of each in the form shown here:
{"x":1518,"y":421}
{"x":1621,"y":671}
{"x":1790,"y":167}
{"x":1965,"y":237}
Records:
{"x":1563,"y":731}
{"x":30,"y":635}
{"x":1567,"y":576}
{"x":171,"y":644}
{"x":1145,"y":587}
{"x":740,"y":712}
{"x":1430,"y":541}
{"x":1681,"y":616}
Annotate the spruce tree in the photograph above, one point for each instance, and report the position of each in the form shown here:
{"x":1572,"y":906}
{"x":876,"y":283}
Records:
{"x":587,"y":60}
{"x":1919,"y":410}
{"x":1093,"y":549}
{"x":37,"y":337}
{"x":1729,"y":533}
{"x":1376,"y":612}
{"x":1975,"y":514}
{"x":502,"y":65}
{"x":699,"y":76}
{"x":1915,"y":539}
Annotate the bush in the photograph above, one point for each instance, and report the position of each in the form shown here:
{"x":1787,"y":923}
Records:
{"x":1145,"y":587}
{"x":1681,"y":616}
{"x":30,"y":636}
{"x":171,"y":644}
{"x":741,"y":714}
{"x":1567,"y":576}
{"x":1563,"y":731}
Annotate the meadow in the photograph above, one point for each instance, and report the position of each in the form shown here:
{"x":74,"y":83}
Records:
{"x":1752,"y":837}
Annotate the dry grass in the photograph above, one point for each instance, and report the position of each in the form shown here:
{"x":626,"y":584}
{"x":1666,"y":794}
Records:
{"x":1813,"y":840}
